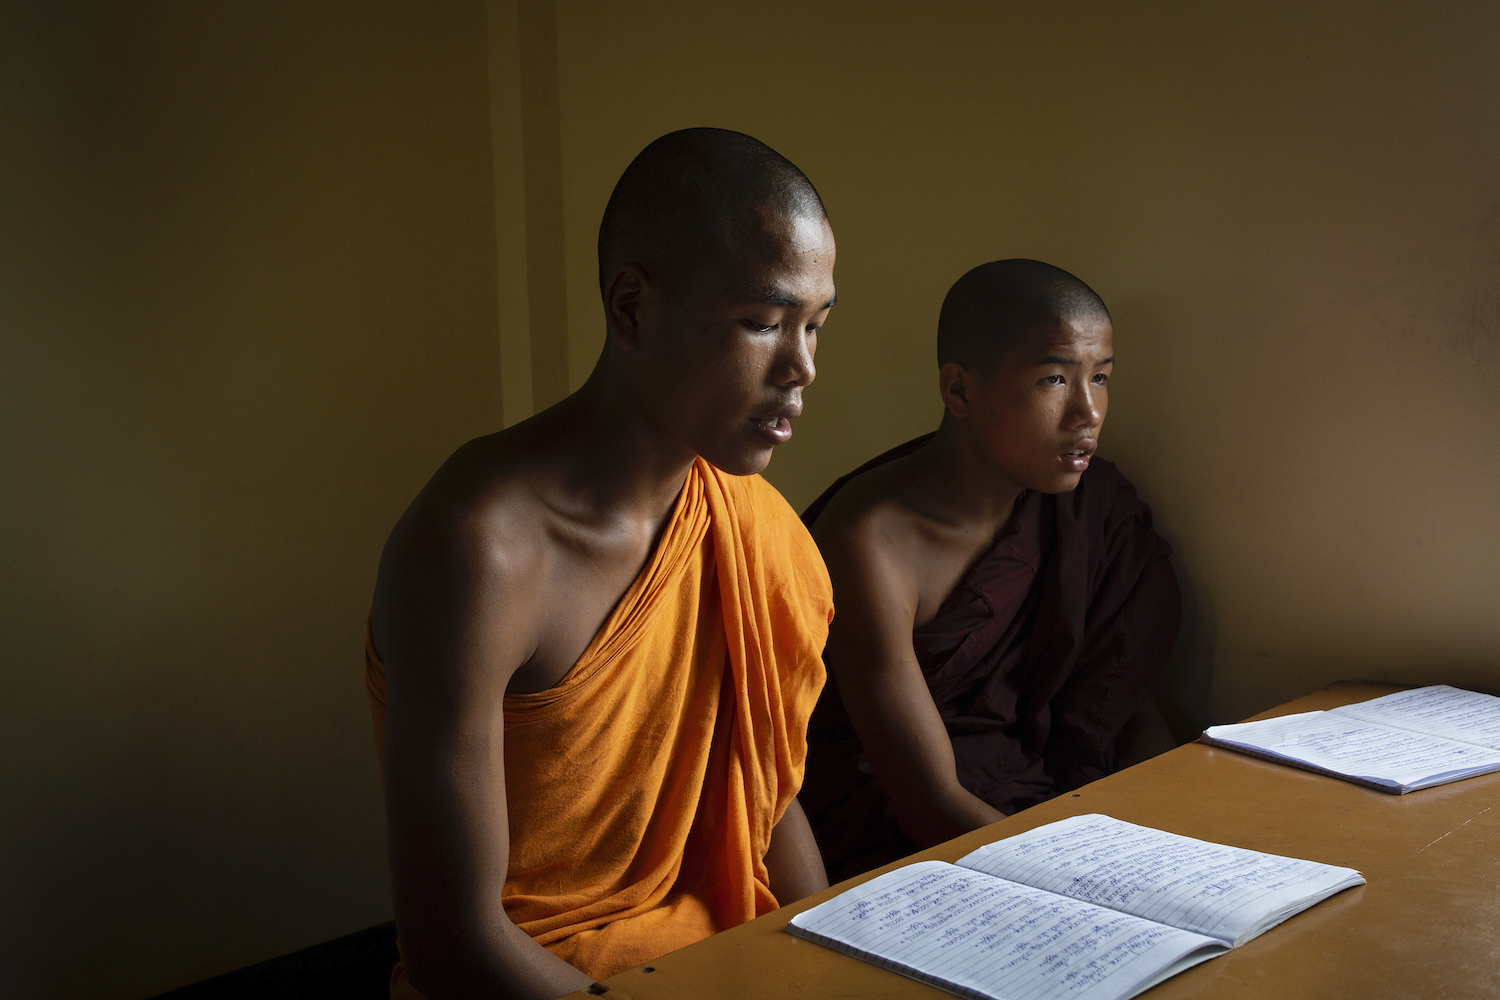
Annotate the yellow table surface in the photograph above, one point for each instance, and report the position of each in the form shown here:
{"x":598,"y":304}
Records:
{"x":1426,"y":925}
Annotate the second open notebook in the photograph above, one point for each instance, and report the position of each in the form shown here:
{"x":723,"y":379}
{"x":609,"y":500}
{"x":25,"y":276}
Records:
{"x":1087,"y":908}
{"x":1398,"y":743}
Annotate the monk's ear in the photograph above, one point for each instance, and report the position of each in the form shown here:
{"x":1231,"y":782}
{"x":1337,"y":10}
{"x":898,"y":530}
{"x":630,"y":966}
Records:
{"x":955,"y":383}
{"x":626,"y":299}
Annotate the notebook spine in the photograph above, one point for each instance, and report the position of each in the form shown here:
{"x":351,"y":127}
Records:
{"x":890,"y":966}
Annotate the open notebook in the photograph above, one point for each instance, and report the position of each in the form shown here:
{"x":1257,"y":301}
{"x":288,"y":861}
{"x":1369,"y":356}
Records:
{"x":1398,"y":743}
{"x":1087,"y":908}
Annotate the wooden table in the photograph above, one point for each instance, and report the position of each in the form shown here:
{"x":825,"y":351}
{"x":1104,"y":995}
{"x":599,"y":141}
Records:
{"x":1426,"y":925}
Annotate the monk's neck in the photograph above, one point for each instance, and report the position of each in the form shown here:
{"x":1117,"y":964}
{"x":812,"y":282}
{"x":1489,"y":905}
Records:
{"x":959,"y":486}
{"x":613,"y":459}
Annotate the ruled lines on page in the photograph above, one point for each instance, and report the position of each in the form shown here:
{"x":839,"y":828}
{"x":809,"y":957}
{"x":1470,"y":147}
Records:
{"x":987,"y":937}
{"x":1336,"y":742}
{"x":1440,"y":710}
{"x":1225,"y":892}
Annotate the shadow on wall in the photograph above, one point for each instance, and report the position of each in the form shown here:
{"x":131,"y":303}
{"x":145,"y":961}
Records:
{"x":1184,"y":693}
{"x":1473,"y":675}
{"x":1138,"y":436}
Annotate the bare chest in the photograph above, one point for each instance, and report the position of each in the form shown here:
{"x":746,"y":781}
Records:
{"x":576,"y":590}
{"x":939,"y":566}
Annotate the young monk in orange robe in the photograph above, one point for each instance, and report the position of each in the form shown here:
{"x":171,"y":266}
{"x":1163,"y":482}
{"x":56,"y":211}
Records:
{"x":595,"y":639}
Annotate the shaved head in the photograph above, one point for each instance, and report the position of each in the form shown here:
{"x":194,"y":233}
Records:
{"x":694,"y":195}
{"x":990,"y":311}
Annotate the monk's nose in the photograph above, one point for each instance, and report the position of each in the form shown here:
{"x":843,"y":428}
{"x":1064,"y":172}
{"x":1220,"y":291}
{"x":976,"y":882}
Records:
{"x":1087,"y":409}
{"x":798,"y":363}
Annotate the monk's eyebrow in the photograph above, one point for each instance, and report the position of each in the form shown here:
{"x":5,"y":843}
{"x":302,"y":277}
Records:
{"x":1053,"y":360}
{"x":776,"y":297}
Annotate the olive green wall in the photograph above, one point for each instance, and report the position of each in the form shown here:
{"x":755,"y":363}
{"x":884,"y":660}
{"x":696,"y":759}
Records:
{"x":1292,"y":209}
{"x":247,"y":304}
{"x":262,"y":265}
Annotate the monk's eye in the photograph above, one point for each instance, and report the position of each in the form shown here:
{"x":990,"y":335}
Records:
{"x":1054,"y":380}
{"x":756,"y":327}
{"x":1101,"y":378}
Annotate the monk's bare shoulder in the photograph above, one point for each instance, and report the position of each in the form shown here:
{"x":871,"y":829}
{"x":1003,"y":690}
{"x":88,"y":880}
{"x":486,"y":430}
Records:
{"x":873,"y":510}
{"x":476,"y":533}
{"x":870,"y":528}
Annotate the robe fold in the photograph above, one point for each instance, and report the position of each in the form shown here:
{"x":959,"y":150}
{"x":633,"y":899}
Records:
{"x":1036,"y":660}
{"x":643,"y":787}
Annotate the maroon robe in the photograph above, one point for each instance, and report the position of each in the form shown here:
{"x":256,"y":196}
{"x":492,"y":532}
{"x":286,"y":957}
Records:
{"x":1036,"y":660}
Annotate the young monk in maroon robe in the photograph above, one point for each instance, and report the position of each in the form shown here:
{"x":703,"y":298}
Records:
{"x":595,"y":638}
{"x":1004,"y":607}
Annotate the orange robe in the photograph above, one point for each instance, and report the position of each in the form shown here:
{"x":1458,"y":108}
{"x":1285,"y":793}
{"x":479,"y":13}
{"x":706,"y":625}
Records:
{"x":643,"y":788}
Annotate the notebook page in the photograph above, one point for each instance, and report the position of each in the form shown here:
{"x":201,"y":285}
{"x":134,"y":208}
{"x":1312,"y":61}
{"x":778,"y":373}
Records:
{"x":1226,"y":892}
{"x":984,"y":937}
{"x":1455,"y":714}
{"x":1336,"y":742}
